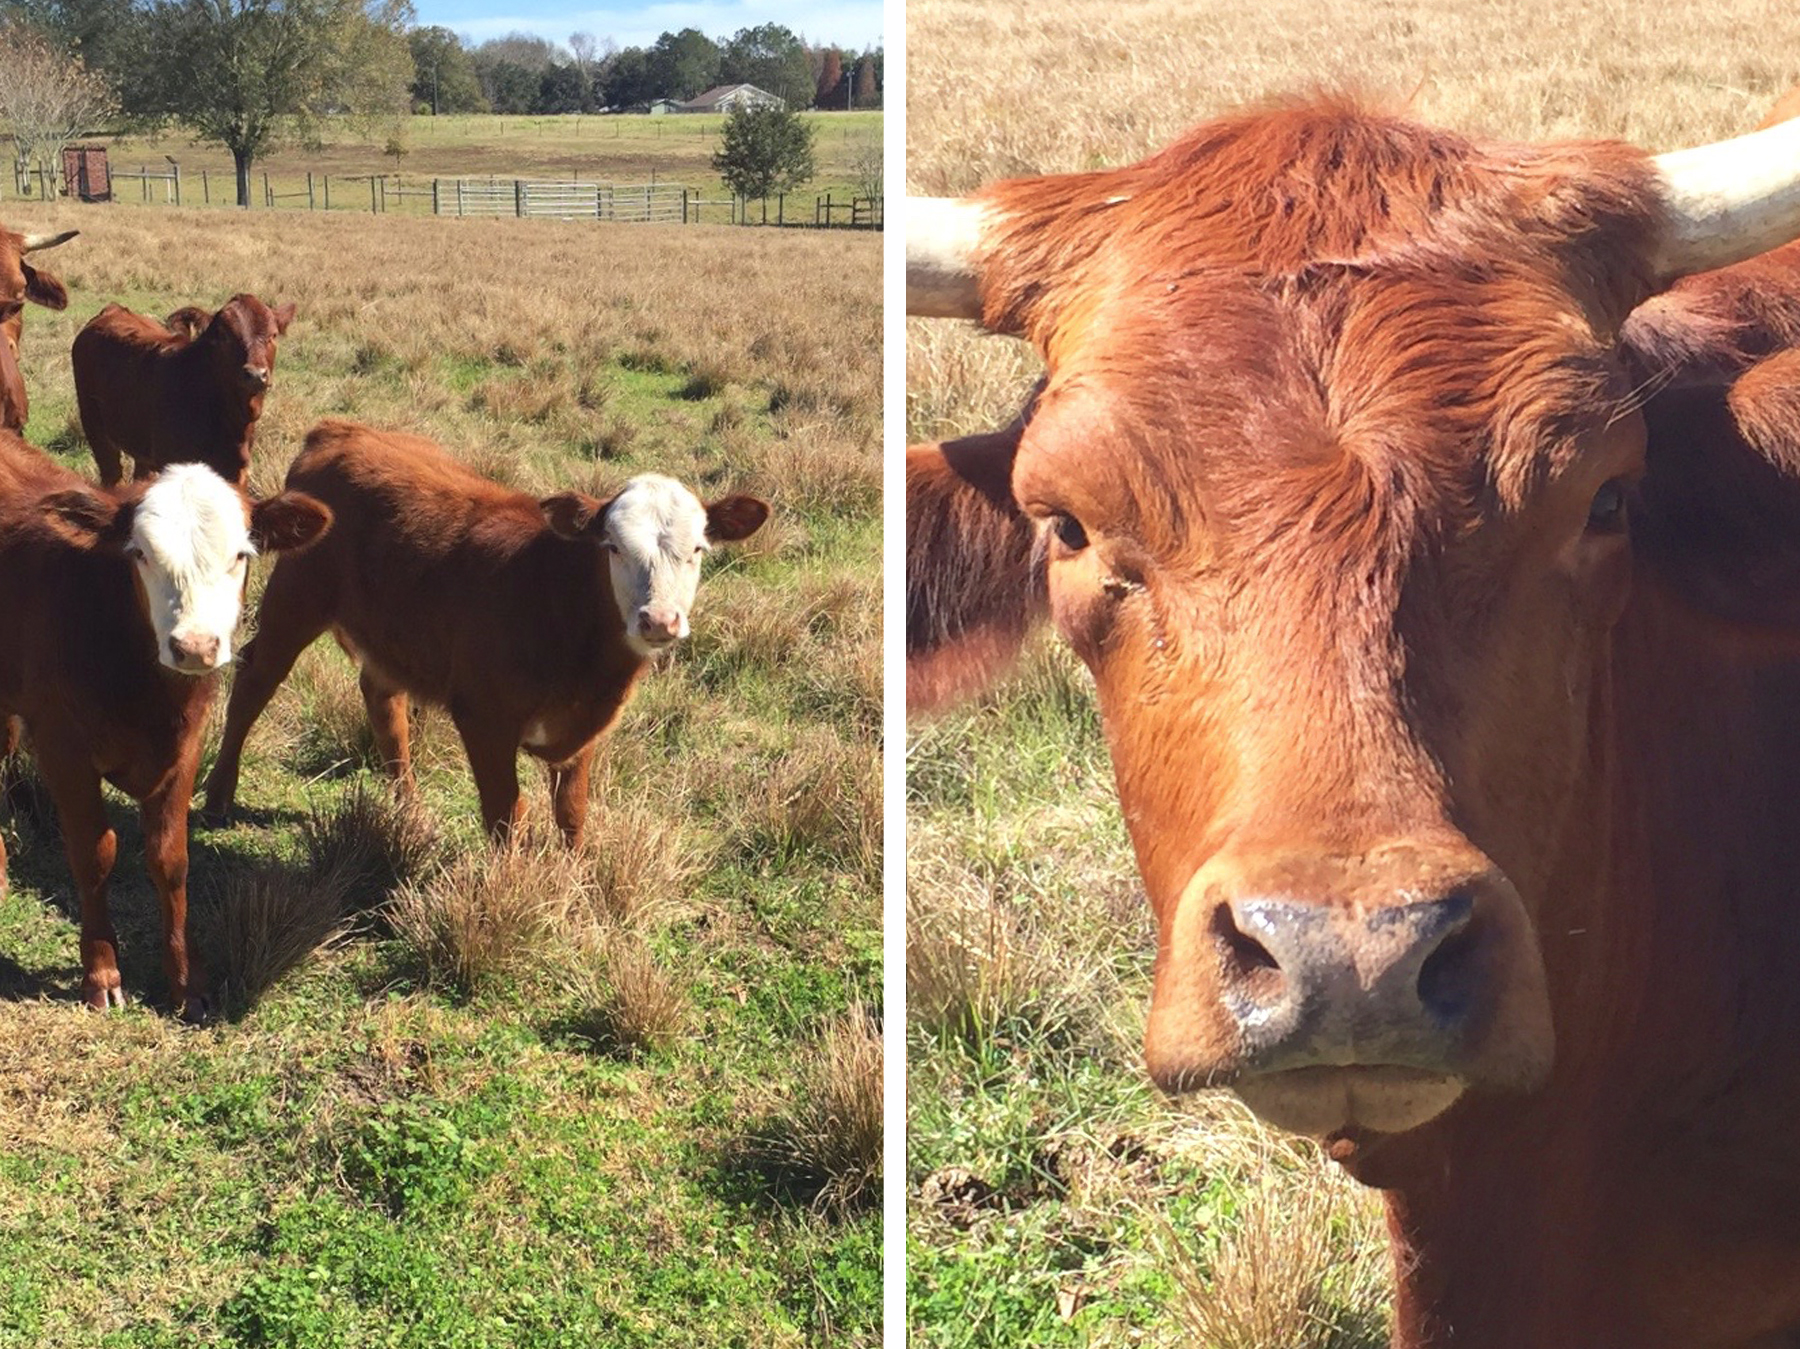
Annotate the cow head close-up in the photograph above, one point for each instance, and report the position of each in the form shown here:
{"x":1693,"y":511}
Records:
{"x":242,"y":336}
{"x":22,"y":284}
{"x":1341,"y":482}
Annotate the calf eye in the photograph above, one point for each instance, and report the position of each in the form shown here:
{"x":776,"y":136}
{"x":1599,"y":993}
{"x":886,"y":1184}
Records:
{"x":1069,"y":532}
{"x":1606,"y":515}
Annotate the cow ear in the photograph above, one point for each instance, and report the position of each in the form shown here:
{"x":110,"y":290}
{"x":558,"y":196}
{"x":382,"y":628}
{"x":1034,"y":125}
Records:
{"x":284,"y":315}
{"x":730,"y":519}
{"x":42,"y":288}
{"x":291,"y":520}
{"x":1718,"y":515}
{"x":572,"y":514}
{"x":974,"y":572}
{"x":88,"y":519}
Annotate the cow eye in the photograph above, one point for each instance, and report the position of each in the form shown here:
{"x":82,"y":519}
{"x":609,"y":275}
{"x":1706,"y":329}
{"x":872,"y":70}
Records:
{"x":1606,"y":514}
{"x":135,"y":554}
{"x":1069,"y":532}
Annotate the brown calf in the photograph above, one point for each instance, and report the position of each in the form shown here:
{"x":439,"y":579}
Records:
{"x":19,"y":282}
{"x":118,"y":609}
{"x":185,"y":390}
{"x":530,"y":621}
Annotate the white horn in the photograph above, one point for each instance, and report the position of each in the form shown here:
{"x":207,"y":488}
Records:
{"x":943,"y":235}
{"x":32,"y":242}
{"x":1731,"y":200}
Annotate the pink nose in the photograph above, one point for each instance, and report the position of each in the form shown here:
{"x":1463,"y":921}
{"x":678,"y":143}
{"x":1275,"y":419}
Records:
{"x":659,"y":625}
{"x":194,"y":653}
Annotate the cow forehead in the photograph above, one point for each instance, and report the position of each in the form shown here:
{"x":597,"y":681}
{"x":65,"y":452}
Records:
{"x":191,"y":522}
{"x":653,"y":513}
{"x":1236,"y":400}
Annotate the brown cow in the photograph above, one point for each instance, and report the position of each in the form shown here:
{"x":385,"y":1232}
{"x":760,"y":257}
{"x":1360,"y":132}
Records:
{"x":19,"y":282}
{"x":1438,"y":568}
{"x":531,"y":621}
{"x":118,"y":609}
{"x":188,"y":389}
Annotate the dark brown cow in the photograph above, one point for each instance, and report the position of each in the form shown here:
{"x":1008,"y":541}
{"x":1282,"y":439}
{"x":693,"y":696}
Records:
{"x":531,"y":621}
{"x":185,"y":390}
{"x":1438,"y":568}
{"x":118,"y":609}
{"x":21,"y":282}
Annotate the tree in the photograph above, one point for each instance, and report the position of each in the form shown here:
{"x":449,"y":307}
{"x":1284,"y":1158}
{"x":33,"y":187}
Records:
{"x":826,"y":93}
{"x":773,"y":59}
{"x":867,"y":93}
{"x":683,"y":64}
{"x":764,"y":151}
{"x":47,"y":96}
{"x":628,"y":80}
{"x":444,"y":77}
{"x":251,"y":73}
{"x":562,"y":88}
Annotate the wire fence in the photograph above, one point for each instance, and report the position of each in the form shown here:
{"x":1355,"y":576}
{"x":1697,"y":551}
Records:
{"x":379,"y":193}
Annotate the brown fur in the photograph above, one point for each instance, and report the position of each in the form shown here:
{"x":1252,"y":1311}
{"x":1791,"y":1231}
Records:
{"x":19,"y":282}
{"x":179,"y":391}
{"x":80,"y":667}
{"x":1332,"y":397}
{"x":449,"y":588}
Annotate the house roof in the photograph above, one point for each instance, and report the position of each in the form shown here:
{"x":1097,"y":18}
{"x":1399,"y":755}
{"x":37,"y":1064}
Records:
{"x":718,"y":93}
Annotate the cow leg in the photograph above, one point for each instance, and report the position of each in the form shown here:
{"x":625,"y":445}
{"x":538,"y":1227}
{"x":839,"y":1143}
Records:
{"x":164,"y":814}
{"x":289,"y":620}
{"x":107,"y":460}
{"x":92,"y":848}
{"x":569,"y":794}
{"x":387,"y":719}
{"x":9,"y":742}
{"x":494,"y":760}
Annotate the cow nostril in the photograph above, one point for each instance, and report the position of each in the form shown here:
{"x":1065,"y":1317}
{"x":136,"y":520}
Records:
{"x":1250,"y":967}
{"x":1449,"y":977}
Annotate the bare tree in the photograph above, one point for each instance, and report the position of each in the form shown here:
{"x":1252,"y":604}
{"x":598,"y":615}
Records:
{"x":48,"y":97}
{"x":583,"y":47}
{"x":866,"y":167}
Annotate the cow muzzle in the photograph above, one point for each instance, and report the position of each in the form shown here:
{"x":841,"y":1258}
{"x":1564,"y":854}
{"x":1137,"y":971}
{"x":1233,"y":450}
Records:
{"x":1368,"y":994}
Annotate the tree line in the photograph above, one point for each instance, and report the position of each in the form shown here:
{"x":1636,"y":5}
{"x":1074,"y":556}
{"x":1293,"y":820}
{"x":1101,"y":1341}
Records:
{"x":523,"y":73}
{"x":251,"y":73}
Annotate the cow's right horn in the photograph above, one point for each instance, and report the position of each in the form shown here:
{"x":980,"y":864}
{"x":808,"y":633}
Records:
{"x":943,"y":235}
{"x":32,"y":242}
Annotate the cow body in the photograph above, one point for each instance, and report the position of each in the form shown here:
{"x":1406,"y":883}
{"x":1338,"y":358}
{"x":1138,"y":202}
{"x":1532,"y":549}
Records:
{"x":188,"y":389}
{"x":118,"y":610}
{"x":1436,"y":564}
{"x":20,"y":283}
{"x":514,"y":614}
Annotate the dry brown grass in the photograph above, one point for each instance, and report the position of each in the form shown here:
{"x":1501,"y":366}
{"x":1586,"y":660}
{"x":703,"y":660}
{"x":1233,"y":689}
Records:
{"x":826,"y":1144}
{"x":625,"y":1002}
{"x":375,"y":841}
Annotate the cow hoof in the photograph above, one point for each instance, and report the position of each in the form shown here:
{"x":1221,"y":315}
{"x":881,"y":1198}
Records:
{"x":103,"y":997}
{"x":215,"y":817}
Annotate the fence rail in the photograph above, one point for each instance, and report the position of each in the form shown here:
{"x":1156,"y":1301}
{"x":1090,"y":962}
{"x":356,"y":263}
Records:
{"x":524,"y":198}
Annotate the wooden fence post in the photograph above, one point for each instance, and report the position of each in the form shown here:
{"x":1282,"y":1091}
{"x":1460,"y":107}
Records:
{"x":436,"y":207}
{"x":268,"y":193}
{"x":327,"y":178}
{"x":310,"y":204}
{"x":176,"y":170}
{"x":518,"y":196}
{"x":206,"y":186}
{"x":372,"y":207}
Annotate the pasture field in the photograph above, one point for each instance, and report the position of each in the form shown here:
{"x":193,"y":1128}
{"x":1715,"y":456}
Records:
{"x":621,"y":149}
{"x":1053,"y":1196}
{"x":458,"y":1098}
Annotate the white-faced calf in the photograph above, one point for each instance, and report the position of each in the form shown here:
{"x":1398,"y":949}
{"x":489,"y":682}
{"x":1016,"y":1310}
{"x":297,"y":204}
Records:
{"x":530,"y":621}
{"x":118,"y":608}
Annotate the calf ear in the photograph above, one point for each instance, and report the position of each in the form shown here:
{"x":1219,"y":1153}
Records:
{"x":284,"y":315}
{"x":42,"y":288}
{"x":571,"y":514}
{"x":974,"y":572}
{"x":737,"y":517}
{"x":1718,"y":518}
{"x":87,"y":518}
{"x":288,"y":521}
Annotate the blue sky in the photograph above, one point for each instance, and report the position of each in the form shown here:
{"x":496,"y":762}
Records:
{"x":849,"y":23}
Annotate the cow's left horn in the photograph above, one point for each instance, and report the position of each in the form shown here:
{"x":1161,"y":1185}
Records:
{"x":1731,"y":200}
{"x":33,"y":242}
{"x":943,"y":235}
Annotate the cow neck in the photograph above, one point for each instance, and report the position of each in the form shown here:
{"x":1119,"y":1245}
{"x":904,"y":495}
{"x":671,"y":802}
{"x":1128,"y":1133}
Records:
{"x":585,"y":623}
{"x":13,"y":405}
{"x":1670,"y":955}
{"x":231,"y":419}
